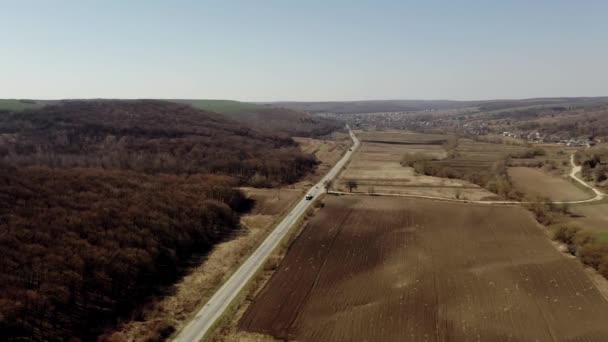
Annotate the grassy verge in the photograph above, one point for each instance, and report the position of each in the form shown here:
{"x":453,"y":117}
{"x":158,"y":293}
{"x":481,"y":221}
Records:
{"x":227,"y":324}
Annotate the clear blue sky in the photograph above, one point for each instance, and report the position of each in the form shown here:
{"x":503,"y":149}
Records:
{"x":303,"y":50}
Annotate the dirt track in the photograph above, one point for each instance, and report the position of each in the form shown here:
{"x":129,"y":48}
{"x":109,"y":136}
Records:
{"x":395,"y":269}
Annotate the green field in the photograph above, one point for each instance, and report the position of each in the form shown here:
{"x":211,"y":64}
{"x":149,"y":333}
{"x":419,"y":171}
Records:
{"x":18,"y":105}
{"x":221,"y":106}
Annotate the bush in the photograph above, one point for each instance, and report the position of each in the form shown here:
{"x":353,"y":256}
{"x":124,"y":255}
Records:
{"x":566,"y":234}
{"x":593,"y":254}
{"x":584,"y":238}
{"x":410,"y":159}
{"x":541,"y":210}
{"x":160,"y":332}
{"x":603,"y":268}
{"x":528,"y":153}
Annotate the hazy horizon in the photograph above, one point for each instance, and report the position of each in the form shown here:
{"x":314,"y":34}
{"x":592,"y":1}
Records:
{"x":312,"y":101}
{"x":314,"y":51}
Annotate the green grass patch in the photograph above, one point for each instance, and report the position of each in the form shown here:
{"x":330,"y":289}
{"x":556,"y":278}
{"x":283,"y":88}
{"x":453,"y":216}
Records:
{"x":18,"y":105}
{"x":221,"y":106}
{"x":602,"y":236}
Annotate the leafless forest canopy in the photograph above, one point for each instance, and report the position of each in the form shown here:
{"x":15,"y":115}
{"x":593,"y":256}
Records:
{"x":102,"y":203}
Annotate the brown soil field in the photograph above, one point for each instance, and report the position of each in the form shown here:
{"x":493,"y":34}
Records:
{"x":371,"y":268}
{"x":376,"y":168}
{"x":478,"y":156}
{"x":534,"y":182}
{"x":404,"y":137}
{"x":208,"y":274}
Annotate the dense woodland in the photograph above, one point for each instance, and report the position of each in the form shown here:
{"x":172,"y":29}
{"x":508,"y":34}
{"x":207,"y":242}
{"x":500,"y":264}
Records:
{"x":102,"y":203}
{"x":148,"y":136}
{"x":290,"y":122}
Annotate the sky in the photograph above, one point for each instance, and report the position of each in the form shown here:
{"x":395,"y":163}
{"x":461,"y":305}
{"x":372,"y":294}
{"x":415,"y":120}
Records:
{"x":265,"y":50}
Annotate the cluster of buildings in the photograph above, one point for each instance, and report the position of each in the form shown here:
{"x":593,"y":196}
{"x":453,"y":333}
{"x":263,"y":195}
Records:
{"x":417,"y":121}
{"x":537,"y":137}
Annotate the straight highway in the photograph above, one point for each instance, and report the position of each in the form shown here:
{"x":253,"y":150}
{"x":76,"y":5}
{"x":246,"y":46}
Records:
{"x":204,"y":320}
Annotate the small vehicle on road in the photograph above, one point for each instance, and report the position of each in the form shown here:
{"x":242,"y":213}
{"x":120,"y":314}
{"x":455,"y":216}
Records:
{"x":309,"y":197}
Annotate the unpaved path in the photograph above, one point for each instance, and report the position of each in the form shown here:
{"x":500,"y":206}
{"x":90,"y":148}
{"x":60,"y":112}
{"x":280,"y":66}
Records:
{"x":573,"y":174}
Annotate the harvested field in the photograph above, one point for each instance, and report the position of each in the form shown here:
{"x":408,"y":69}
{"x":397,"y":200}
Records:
{"x":376,"y":168}
{"x":474,"y":156}
{"x":392,"y":269}
{"x":535,"y":182}
{"x":402,"y":137}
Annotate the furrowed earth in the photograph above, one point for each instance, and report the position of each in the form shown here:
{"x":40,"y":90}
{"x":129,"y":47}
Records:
{"x":396,"y":269}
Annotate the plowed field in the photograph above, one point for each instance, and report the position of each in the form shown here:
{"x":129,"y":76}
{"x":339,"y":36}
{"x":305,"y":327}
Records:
{"x":392,"y":269}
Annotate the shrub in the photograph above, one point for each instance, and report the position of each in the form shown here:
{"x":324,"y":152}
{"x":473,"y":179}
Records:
{"x":592,"y":254}
{"x":603,"y":268}
{"x":409,"y":159}
{"x":566,"y":234}
{"x":541,"y":211}
{"x":528,"y":153}
{"x":160,"y":332}
{"x":584,"y":238}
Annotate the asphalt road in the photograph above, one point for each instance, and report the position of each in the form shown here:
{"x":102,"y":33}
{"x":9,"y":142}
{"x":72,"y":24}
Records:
{"x":203,"y":321}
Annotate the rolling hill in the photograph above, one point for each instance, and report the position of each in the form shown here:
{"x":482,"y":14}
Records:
{"x":269,"y":118}
{"x":104,"y":203}
{"x":148,"y":136}
{"x":375,"y":106}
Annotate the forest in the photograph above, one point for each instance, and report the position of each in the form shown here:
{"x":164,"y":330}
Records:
{"x":102,"y":203}
{"x":148,"y":136}
{"x":287,"y":121}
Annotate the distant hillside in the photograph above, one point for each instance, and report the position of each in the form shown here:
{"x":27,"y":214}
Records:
{"x":220,"y":106}
{"x":376,"y":106}
{"x":148,"y":136}
{"x":557,"y":121}
{"x":346,"y":107}
{"x":269,"y":118}
{"x":18,"y":105}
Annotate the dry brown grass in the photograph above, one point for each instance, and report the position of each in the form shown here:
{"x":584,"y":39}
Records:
{"x":376,"y":167}
{"x":327,"y":152}
{"x":228,"y":330}
{"x":534,"y":182}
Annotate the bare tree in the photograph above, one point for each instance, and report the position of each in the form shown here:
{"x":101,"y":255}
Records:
{"x":327,"y":184}
{"x":352,"y":184}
